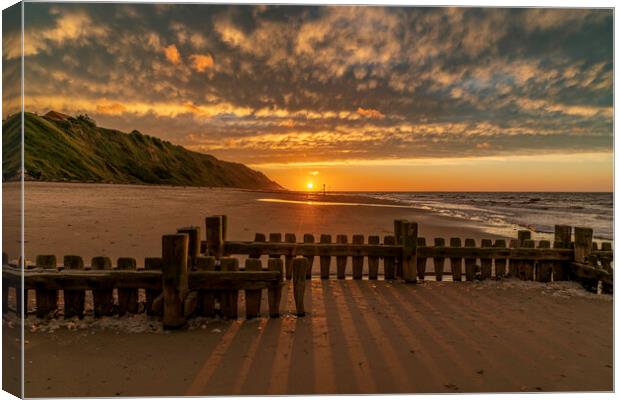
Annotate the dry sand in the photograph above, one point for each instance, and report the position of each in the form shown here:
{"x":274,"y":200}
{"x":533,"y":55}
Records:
{"x":359,"y":337}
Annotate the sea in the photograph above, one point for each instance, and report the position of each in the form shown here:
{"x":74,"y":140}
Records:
{"x":501,"y":211}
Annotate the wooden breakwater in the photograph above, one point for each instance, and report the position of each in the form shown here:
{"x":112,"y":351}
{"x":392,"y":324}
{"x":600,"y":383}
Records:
{"x":180,"y":284}
{"x":404,"y":255}
{"x":199,"y":277}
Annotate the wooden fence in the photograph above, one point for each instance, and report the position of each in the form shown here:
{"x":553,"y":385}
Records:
{"x":407,"y":256}
{"x":176,"y":286}
{"x":195,"y":277}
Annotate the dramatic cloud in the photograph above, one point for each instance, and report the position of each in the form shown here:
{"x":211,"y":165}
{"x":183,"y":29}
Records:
{"x":172,"y":54}
{"x":277,"y":84}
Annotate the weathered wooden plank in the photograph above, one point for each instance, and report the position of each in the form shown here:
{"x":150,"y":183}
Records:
{"x":358,"y":261}
{"x":252,"y":296}
{"x":127,"y":298}
{"x":438,"y":261}
{"x":562,"y":240}
{"x":74,"y":299}
{"x":274,"y":295}
{"x":275,"y":238}
{"x":309,"y":238}
{"x":152,"y":264}
{"x":386,"y":250}
{"x":584,"y":271}
{"x":456,"y":264}
{"x":389,"y":266}
{"x":373,"y":261}
{"x":583,"y":243}
{"x":229,"y":301}
{"x":256,"y":253}
{"x":605,"y":256}
{"x":514,"y":264}
{"x":410,"y":251}
{"x":341,"y":261}
{"x":544,"y":268}
{"x":486,"y":263}
{"x":522,"y":236}
{"x":300,"y":264}
{"x":398,"y":234}
{"x":174,"y":279}
{"x":215,"y":235}
{"x":206,"y":298}
{"x":470,"y":262}
{"x":421,"y":260}
{"x":500,"y":262}
{"x":193,"y":232}
{"x":103,"y":299}
{"x":47,"y":300}
{"x":288,"y":258}
{"x":526,"y":272}
{"x":325,"y":261}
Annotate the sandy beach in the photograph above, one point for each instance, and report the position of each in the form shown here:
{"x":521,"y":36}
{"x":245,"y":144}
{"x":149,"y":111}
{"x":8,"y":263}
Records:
{"x":128,"y":220}
{"x":359,"y":336}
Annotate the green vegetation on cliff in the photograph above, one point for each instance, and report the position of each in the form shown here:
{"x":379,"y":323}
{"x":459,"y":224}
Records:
{"x":62,"y":148}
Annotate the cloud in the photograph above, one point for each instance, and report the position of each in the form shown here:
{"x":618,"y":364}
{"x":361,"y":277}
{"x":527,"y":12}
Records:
{"x":370,"y":113}
{"x":172,"y":54}
{"x":315,"y":82}
{"x":201,"y":62}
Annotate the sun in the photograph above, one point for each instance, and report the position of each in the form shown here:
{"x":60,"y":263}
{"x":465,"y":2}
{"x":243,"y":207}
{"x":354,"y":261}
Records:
{"x":310,"y":185}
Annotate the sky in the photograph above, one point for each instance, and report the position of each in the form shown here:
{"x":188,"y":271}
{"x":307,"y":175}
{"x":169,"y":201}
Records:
{"x":367,"y":98}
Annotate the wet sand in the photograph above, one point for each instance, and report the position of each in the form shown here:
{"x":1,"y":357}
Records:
{"x":128,"y":220}
{"x":360,"y":337}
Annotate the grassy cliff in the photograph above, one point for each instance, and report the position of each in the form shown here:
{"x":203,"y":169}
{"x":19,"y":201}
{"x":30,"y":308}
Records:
{"x":63,"y":148}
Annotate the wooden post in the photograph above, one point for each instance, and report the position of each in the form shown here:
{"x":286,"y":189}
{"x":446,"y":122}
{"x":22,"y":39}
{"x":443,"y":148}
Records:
{"x":583,"y":244}
{"x":152,"y":264}
{"x":561,"y":240}
{"x":410,"y":251}
{"x":389,"y":268}
{"x":341,"y":261}
{"x":325,"y":261}
{"x":206,"y":298}
{"x":274,"y":295}
{"x":103,"y":299}
{"x":456,"y":264}
{"x":258,"y":238}
{"x":398,"y":234}
{"x":605,"y":260}
{"x":470,"y":263}
{"x":230,"y":299}
{"x":522,"y":236}
{"x":300,"y":264}
{"x":174,"y":279}
{"x":513,"y":265}
{"x":421,"y":261}
{"x":500,"y":263}
{"x":309,"y":238}
{"x":47,"y":300}
{"x":5,"y":286}
{"x":438,"y":262}
{"x":358,"y":261}
{"x":527,"y":266}
{"x":194,"y":244}
{"x":288,"y":259}
{"x":544,"y":268}
{"x":275,"y":238}
{"x":252,"y":297}
{"x":74,"y":299}
{"x":486,"y":264}
{"x":127,"y":298}
{"x":373,"y":262}
{"x":215,"y":235}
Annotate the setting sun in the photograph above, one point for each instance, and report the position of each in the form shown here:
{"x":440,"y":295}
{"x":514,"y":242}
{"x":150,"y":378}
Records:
{"x":310,"y":185}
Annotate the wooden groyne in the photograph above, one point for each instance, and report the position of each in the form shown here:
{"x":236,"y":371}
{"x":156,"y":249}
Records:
{"x":201,"y":277}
